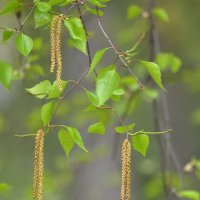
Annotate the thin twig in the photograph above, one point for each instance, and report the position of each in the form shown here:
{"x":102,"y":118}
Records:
{"x":131,"y":71}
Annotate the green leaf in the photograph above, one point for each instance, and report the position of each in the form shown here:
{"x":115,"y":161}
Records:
{"x":12,"y":6}
{"x":107,"y":82}
{"x":43,"y":6}
{"x":97,"y":57}
{"x":97,"y":3}
{"x":47,"y":111}
{"x":55,"y":2}
{"x":40,"y":90}
{"x":54,"y":91}
{"x":165,"y":60}
{"x":119,"y":92}
{"x":190,"y":194}
{"x":154,"y":71}
{"x":41,"y":18}
{"x":97,"y":128}
{"x":161,"y":14}
{"x":133,"y":11}
{"x":79,"y":44}
{"x":24,"y":44}
{"x":124,"y":129}
{"x":77,"y":138}
{"x":140,"y":143}
{"x":4,"y":187}
{"x":94,"y":12}
{"x":75,"y":28}
{"x":7,"y":35}
{"x":93,"y":98}
{"x":66,"y":140}
{"x":6,"y":74}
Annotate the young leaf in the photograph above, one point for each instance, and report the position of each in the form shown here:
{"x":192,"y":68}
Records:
{"x":190,"y":194}
{"x":47,"y":111}
{"x":93,"y":98}
{"x":133,"y":11}
{"x":154,"y":71}
{"x":124,"y":129}
{"x":11,"y":6}
{"x":24,"y":44}
{"x":66,"y":140}
{"x":41,"y":18}
{"x":40,"y":90}
{"x":43,"y":6}
{"x":7,"y":35}
{"x":54,"y":91}
{"x":75,"y":28}
{"x":161,"y":14}
{"x":79,"y":44}
{"x":97,"y":3}
{"x":97,"y":128}
{"x":140,"y":143}
{"x":119,"y":92}
{"x":165,"y":60}
{"x":97,"y":57}
{"x":107,"y":82}
{"x":6,"y":74}
{"x":77,"y":138}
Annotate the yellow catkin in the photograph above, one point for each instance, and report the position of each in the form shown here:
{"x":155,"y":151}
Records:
{"x":38,"y":173}
{"x":58,"y":51}
{"x":126,"y":170}
{"x":53,"y":43}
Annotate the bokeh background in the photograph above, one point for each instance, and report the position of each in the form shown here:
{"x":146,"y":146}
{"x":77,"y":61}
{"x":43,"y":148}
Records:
{"x":96,"y":175}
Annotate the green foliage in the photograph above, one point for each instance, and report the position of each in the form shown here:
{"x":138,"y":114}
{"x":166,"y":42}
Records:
{"x":133,"y":11}
{"x":165,"y":60}
{"x":43,"y":6}
{"x":154,"y":71}
{"x":77,"y":33}
{"x":107,"y":82}
{"x":97,"y":57}
{"x":54,"y":91}
{"x":47,"y":111}
{"x":6,"y":74}
{"x":97,"y":128}
{"x":68,"y":136}
{"x":40,"y":90}
{"x":41,"y":18}
{"x":7,"y":35}
{"x":124,"y":129}
{"x":190,"y":194}
{"x":161,"y":14}
{"x":140,"y":143}
{"x":11,"y":6}
{"x":24,"y":44}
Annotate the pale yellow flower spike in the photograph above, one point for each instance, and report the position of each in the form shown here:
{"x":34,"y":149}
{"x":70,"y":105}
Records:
{"x":38,"y":173}
{"x":58,"y":51}
{"x":53,"y":44}
{"x":126,"y":171}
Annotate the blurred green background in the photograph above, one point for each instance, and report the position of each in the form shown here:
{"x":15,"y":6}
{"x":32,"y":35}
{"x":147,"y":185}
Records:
{"x":96,"y":175}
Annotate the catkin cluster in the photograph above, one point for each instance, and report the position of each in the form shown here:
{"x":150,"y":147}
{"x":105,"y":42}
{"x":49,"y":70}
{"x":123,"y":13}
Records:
{"x":38,"y":174}
{"x":56,"y":57}
{"x":126,"y":170}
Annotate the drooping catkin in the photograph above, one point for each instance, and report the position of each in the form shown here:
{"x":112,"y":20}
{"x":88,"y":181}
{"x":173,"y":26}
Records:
{"x":56,"y":55}
{"x":58,"y":51}
{"x":53,"y":43}
{"x":126,"y":171}
{"x":38,"y":174}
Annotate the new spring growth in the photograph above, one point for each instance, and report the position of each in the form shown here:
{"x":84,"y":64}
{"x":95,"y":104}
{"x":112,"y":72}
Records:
{"x":126,"y":170}
{"x":38,"y":173}
{"x":56,"y":55}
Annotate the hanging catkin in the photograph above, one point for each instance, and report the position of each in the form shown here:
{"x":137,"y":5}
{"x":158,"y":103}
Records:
{"x":38,"y":173}
{"x":126,"y":170}
{"x":56,"y":55}
{"x":53,"y":43}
